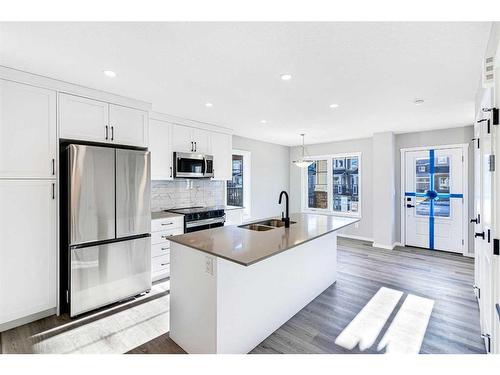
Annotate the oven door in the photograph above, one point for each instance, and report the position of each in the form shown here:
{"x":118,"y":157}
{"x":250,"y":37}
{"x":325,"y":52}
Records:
{"x":189,"y":165}
{"x":194,"y":226}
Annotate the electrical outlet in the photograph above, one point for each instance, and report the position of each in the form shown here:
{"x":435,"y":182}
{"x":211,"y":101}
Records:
{"x":209,"y":265}
{"x":356,"y":225}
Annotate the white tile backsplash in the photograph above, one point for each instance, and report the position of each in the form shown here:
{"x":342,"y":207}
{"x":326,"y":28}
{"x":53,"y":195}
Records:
{"x":186,"y":193}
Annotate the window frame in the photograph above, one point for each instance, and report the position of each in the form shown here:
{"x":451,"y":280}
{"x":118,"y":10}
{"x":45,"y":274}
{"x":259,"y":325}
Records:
{"x":247,"y":179}
{"x":330,"y":186}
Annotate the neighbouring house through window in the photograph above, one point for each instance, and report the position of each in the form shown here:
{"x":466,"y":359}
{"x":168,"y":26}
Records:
{"x":332,"y":184}
{"x":238,"y":188}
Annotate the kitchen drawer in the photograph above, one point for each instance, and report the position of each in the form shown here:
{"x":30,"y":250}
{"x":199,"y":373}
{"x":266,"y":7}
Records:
{"x":160,"y":249}
{"x":160,"y":264}
{"x":162,"y":236}
{"x":167,"y":223}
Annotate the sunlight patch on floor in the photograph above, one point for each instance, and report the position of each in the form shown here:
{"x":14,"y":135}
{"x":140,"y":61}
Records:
{"x":366,"y":326}
{"x":407,"y":330}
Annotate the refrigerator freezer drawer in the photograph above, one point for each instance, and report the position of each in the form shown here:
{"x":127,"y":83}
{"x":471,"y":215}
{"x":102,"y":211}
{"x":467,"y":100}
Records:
{"x":108,"y":273}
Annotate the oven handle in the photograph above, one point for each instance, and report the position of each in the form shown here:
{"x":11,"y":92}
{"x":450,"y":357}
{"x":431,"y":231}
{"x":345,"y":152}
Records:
{"x":198,"y":223}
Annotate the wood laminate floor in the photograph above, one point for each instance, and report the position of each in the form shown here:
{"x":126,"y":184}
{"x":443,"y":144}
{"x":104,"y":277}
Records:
{"x":442,"y":277}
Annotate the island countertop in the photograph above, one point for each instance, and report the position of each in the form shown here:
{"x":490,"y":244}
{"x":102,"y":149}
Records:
{"x":246,"y":247}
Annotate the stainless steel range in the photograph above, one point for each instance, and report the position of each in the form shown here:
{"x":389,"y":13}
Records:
{"x":200,"y":218}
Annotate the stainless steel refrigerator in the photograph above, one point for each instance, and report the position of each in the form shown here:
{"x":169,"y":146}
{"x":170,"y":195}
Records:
{"x":108,"y":232}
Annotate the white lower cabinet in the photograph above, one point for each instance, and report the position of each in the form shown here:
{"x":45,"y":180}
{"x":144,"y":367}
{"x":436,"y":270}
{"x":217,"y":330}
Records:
{"x":28,"y":248}
{"x":161,"y":230}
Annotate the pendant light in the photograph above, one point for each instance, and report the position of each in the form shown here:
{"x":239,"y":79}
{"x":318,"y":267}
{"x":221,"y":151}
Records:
{"x":302,"y":163}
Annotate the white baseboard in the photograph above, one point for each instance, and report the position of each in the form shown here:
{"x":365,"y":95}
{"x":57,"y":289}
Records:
{"x":387,"y":247}
{"x":353,"y":237}
{"x":469,"y":255}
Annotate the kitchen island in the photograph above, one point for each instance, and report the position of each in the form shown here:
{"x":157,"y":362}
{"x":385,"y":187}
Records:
{"x":231,"y":287}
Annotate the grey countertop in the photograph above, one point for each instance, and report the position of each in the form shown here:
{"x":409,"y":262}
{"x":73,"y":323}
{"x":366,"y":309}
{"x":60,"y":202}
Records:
{"x":246,"y":247}
{"x":163,"y":215}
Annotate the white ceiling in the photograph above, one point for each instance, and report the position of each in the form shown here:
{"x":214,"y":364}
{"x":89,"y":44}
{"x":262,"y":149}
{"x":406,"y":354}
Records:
{"x":373,"y":71}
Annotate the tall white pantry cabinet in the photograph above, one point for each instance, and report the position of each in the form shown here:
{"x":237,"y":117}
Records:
{"x":28,"y":204}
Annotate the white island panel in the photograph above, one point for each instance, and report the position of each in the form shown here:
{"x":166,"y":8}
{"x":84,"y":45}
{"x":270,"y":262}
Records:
{"x":219,"y":306}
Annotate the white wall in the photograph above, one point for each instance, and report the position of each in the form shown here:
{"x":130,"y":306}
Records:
{"x":270,"y":175}
{"x":383,"y":190}
{"x":365,"y":146}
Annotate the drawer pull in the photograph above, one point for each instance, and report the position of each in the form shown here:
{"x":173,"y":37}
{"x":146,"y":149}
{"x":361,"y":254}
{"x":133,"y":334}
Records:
{"x":164,"y":248}
{"x":166,"y":223}
{"x":164,"y":264}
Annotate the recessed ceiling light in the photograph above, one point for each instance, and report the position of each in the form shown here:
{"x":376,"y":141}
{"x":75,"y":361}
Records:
{"x":286,"y":77}
{"x":109,"y":73}
{"x":263,"y":121}
{"x":418,"y":101}
{"x":334,"y":105}
{"x":209,"y":105}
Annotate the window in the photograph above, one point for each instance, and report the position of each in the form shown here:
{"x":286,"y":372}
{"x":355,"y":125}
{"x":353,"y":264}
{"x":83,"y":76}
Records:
{"x":332,"y":185}
{"x":317,"y":186}
{"x":238,"y":188}
{"x":345,"y":197}
{"x":235,"y":186}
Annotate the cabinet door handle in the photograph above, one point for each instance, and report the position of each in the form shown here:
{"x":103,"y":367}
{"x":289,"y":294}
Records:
{"x":106,"y":132}
{"x":170,"y":171}
{"x":195,"y":147}
{"x":164,"y":264}
{"x":53,"y":167}
{"x":409,"y":206}
{"x":192,"y":146}
{"x":166,"y":223}
{"x":112,"y":133}
{"x":164,"y":248}
{"x":53,"y":191}
{"x":476,"y":235}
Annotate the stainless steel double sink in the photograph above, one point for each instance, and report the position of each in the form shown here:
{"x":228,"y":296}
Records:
{"x":265,"y":225}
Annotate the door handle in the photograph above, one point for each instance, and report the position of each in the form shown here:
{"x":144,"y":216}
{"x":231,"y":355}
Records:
{"x":195,"y":147}
{"x":192,"y":146}
{"x":170,"y":171}
{"x":53,"y":191}
{"x":474,"y":221}
{"x":106,"y":132}
{"x":112,"y":133}
{"x":410,"y":206}
{"x":53,"y":167}
{"x":476,"y":235}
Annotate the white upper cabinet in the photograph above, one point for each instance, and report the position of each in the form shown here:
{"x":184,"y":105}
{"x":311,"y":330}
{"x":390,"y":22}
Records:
{"x":160,"y":146}
{"x":202,"y":141}
{"x":128,"y":126}
{"x":182,"y":139}
{"x":83,"y":119}
{"x":28,"y":131}
{"x":28,"y":248}
{"x":187,"y":139}
{"x":93,"y":120}
{"x":222,"y":145}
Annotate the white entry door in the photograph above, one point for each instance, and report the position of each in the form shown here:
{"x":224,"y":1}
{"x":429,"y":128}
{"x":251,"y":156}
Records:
{"x":434,"y":201}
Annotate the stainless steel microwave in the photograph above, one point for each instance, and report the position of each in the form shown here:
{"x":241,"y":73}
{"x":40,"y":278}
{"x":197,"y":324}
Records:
{"x":188,"y":165}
